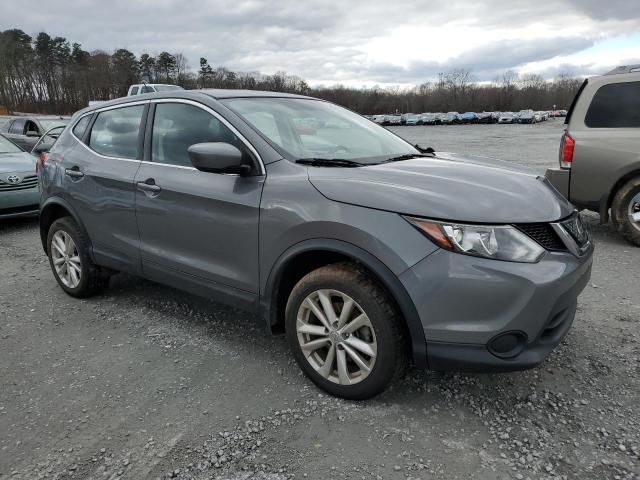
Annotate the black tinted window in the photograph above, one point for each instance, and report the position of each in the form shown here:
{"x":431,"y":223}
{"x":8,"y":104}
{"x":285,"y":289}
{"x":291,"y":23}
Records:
{"x":134,"y":91}
{"x":17,"y":128}
{"x":115,"y":132}
{"x":81,"y":126}
{"x":177,"y":126}
{"x":615,"y":106}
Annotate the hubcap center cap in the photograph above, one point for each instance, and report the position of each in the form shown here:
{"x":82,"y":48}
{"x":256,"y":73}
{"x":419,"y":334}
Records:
{"x":336,"y":337}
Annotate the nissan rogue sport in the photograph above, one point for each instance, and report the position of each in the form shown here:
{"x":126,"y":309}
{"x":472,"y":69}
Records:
{"x":368,"y":252}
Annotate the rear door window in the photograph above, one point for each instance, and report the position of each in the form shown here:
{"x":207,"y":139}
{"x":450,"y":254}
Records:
{"x":115,"y":132}
{"x":134,"y":91}
{"x":17,"y":128}
{"x":616,"y":105}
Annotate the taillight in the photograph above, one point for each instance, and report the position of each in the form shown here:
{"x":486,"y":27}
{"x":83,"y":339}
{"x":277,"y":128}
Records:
{"x":567,"y":144}
{"x":42,"y":158}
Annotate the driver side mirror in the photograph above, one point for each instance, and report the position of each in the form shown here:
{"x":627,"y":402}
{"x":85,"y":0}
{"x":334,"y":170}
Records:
{"x":218,"y":157}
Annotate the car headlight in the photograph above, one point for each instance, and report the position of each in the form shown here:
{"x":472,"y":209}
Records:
{"x":499,"y":242}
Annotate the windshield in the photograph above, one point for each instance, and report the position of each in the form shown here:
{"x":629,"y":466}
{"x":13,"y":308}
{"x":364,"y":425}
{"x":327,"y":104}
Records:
{"x":48,"y":123}
{"x":305,"y":128}
{"x":167,"y":88}
{"x":7,"y":146}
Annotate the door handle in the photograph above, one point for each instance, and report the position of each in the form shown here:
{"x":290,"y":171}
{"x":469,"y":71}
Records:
{"x":73,"y":172}
{"x":148,"y":187}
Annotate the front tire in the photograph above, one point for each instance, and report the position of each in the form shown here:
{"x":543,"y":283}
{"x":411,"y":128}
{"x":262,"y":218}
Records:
{"x":345,"y":332}
{"x":68,"y":250}
{"x":625,"y":210}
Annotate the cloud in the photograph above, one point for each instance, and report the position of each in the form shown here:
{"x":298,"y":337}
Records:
{"x":330,"y":41}
{"x":609,"y":9}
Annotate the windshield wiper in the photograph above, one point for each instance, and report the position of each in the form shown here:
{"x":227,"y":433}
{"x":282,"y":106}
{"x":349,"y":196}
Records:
{"x":329,"y":162}
{"x":407,"y":156}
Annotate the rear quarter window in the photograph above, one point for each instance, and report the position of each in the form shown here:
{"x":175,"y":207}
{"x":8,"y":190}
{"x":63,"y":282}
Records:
{"x":81,"y":126}
{"x":616,"y":105}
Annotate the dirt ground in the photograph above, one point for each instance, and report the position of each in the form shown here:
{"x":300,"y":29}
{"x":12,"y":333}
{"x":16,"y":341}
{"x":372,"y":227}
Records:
{"x":144,"y":381}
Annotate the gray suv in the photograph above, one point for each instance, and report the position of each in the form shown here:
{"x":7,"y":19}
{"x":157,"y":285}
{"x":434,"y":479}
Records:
{"x":368,"y":252}
{"x":600,"y":150}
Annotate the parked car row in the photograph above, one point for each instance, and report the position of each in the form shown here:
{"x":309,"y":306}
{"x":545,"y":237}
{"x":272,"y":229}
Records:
{"x":455,"y":118}
{"x":24,"y":141}
{"x":26,"y":131}
{"x":19,"y":193}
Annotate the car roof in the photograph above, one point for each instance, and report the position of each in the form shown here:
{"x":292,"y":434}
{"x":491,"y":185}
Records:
{"x":195,"y":95}
{"x":38,"y":117}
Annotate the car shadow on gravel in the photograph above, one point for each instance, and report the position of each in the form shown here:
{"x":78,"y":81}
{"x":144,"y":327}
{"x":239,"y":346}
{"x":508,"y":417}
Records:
{"x":175,"y":312}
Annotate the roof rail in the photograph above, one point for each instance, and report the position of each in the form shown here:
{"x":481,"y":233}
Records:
{"x":624,"y":69}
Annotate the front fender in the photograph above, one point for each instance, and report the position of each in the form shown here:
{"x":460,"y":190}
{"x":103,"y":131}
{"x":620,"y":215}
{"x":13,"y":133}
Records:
{"x":388,"y":279}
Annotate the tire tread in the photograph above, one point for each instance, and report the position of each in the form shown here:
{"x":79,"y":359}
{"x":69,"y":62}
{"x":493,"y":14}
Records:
{"x":354,"y":273}
{"x":619,"y":211}
{"x":96,"y":279}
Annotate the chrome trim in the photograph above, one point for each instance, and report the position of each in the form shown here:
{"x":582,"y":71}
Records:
{"x":569,"y":241}
{"x":183,"y":167}
{"x":169,"y":100}
{"x":120,"y":105}
{"x":106,"y":156}
{"x":107,"y":109}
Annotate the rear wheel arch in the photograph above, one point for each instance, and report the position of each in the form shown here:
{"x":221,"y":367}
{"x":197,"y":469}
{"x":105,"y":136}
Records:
{"x":309,"y":255}
{"x":635,"y":173}
{"x":52,"y":210}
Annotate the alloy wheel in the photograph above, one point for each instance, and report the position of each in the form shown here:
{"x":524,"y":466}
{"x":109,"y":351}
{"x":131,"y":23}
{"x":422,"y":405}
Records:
{"x":634,"y":211}
{"x":66,"y":259}
{"x":336,"y":337}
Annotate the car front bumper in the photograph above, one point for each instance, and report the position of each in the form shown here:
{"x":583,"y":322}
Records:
{"x":19,"y":203}
{"x":466,"y":302}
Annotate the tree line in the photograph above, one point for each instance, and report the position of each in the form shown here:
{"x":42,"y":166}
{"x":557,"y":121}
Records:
{"x":49,"y":74}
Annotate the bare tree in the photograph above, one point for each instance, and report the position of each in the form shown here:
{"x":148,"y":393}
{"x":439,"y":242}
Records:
{"x":50,"y":75}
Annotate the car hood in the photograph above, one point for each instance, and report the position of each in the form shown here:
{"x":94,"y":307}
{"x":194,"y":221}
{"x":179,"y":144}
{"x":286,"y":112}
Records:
{"x":448,"y":187}
{"x":17,"y":162}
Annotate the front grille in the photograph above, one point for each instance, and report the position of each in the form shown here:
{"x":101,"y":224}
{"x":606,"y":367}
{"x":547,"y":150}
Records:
{"x":576,"y":228}
{"x":27,"y":182}
{"x":544,"y":234}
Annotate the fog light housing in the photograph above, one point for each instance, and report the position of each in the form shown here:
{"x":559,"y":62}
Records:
{"x":507,"y":344}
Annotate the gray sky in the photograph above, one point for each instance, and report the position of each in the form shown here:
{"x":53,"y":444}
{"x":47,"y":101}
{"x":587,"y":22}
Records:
{"x":354,"y":42}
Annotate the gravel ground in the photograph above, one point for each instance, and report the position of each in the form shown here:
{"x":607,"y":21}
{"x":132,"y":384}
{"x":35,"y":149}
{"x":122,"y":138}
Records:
{"x":144,"y":381}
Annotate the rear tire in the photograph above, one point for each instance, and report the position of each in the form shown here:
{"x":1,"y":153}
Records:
{"x":68,"y":249}
{"x":625,"y":210}
{"x":361,"y":352}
